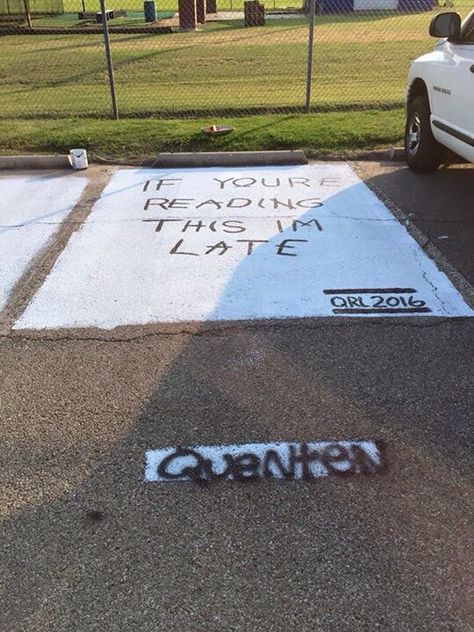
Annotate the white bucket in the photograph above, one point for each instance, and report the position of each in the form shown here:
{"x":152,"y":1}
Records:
{"x":78,"y":158}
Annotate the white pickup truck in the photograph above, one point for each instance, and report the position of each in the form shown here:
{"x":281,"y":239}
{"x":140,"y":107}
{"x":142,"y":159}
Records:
{"x":440,"y":96}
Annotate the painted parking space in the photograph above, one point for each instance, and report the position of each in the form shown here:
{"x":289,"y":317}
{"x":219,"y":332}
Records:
{"x":31,"y":210}
{"x":227,"y":244}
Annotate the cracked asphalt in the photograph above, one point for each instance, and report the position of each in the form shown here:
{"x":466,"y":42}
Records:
{"x":88,"y":546}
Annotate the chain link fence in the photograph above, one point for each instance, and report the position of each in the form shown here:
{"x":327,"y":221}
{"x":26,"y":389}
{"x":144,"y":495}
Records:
{"x":190,"y":58}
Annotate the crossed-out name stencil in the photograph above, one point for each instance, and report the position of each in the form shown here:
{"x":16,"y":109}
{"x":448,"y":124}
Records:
{"x":227,"y":244}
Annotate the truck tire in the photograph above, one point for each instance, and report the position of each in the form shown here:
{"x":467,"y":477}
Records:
{"x":423,"y":153}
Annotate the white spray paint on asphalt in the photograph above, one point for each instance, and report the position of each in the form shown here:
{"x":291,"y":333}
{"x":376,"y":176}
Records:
{"x":31,"y":210}
{"x":227,"y":244}
{"x":250,"y":461}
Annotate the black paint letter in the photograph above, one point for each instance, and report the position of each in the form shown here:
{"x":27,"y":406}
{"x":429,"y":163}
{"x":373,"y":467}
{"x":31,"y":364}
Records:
{"x":303,"y":181}
{"x":176,"y":247}
{"x":243,"y":467}
{"x":215,"y":202}
{"x":298,"y":222}
{"x":280,"y":247}
{"x":231,"y":223}
{"x":180,"y":202}
{"x":220,"y":244}
{"x":231,"y":204}
{"x":273,"y":458}
{"x":251,"y":242}
{"x":309,"y":203}
{"x":222,"y":182}
{"x":161,"y":202}
{"x":165,"y":181}
{"x":197,"y":226}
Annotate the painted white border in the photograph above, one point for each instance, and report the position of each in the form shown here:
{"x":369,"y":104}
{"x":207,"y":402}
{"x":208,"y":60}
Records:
{"x":31,"y":210}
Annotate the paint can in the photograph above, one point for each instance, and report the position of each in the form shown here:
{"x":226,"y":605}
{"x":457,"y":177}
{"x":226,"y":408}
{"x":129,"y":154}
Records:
{"x":78,"y":159}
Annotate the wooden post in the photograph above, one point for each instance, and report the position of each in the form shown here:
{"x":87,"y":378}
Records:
{"x":201,"y":11}
{"x":187,"y":15}
{"x":254,"y":13}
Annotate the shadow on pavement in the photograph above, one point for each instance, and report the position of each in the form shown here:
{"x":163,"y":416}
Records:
{"x":441,"y":204}
{"x":89,"y":546}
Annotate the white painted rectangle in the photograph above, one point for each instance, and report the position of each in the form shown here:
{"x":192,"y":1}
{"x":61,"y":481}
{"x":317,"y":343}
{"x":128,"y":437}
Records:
{"x":234,"y":244}
{"x":251,"y":461}
{"x":375,"y":5}
{"x":31,"y":210}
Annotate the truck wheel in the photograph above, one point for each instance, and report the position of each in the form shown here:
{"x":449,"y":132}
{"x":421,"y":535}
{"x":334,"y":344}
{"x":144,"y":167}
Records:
{"x":423,"y":153}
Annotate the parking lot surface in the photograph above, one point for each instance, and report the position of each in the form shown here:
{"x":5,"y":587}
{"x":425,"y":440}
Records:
{"x":89,"y":544}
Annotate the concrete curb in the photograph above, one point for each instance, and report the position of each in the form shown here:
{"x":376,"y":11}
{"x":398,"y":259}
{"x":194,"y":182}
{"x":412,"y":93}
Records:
{"x":34,"y":162}
{"x":209,"y":159}
{"x":396,"y":154}
{"x":230,"y":159}
{"x":390,"y":154}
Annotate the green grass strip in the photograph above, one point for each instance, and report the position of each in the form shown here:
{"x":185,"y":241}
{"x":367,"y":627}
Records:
{"x":143,"y":138}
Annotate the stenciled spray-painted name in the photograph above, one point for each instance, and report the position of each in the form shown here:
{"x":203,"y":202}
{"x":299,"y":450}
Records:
{"x":385,"y":300}
{"x":259,"y":461}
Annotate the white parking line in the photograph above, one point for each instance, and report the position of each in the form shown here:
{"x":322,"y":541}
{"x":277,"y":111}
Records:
{"x":31,"y":210}
{"x":214,"y":244}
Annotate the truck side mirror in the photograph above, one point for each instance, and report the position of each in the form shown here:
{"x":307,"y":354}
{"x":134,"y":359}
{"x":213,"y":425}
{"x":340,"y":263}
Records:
{"x":446,"y":25}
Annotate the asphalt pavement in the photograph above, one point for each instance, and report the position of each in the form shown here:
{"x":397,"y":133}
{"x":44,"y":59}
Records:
{"x":87,"y":545}
{"x":441,"y":205}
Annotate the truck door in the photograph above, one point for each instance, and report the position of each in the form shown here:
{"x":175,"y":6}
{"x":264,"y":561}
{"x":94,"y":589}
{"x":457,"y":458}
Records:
{"x":453,"y":95}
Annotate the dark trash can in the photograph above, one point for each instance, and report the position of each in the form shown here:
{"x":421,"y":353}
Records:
{"x":150,"y":10}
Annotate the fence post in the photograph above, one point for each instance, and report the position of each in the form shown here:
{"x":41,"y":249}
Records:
{"x":26,"y":4}
{"x":309,"y":67}
{"x":110,"y":68}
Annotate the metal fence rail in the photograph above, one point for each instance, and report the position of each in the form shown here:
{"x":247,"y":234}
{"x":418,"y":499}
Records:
{"x":186,"y":58}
